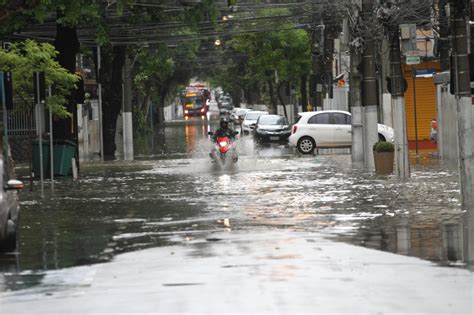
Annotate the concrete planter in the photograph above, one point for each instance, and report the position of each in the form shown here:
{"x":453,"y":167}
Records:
{"x":384,"y":162}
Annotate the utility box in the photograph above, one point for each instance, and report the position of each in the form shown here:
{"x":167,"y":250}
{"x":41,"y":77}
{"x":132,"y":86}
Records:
{"x":63,"y":153}
{"x":37,"y":160}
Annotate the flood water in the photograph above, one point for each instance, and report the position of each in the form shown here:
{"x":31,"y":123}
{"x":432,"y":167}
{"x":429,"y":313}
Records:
{"x":172,"y":193}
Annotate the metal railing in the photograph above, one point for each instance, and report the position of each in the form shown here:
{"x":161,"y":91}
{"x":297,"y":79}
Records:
{"x":21,"y":120}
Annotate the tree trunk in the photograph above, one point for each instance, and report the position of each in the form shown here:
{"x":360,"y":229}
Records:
{"x":67,"y":44}
{"x":328,"y":61}
{"x":369,"y":96}
{"x":111,"y":78}
{"x":397,"y":89}
{"x":274,"y":103}
{"x":357,"y":151}
{"x":317,"y":43}
{"x":161,"y":105}
{"x":304,"y":93}
{"x":460,"y":68}
{"x":145,"y":109}
{"x":282,"y":100}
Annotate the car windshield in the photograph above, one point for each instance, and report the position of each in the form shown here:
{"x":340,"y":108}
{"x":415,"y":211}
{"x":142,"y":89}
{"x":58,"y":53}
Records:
{"x":253,"y":116}
{"x":272,"y":120}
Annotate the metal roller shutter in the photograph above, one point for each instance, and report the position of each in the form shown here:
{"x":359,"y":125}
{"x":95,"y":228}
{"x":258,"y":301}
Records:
{"x":425,"y":106}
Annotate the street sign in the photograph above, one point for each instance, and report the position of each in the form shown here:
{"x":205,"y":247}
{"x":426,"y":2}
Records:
{"x":413,"y":60}
{"x":424,"y":73}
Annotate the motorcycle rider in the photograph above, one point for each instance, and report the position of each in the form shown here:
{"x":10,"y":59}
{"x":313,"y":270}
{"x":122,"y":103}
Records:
{"x":224,"y":130}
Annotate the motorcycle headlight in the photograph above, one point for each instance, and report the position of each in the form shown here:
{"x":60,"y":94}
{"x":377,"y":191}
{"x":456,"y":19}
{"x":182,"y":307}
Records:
{"x":223,"y":143}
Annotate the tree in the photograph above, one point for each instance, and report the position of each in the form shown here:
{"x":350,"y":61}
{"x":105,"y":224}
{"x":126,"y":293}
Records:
{"x":280,"y":56}
{"x":69,"y":14}
{"x":160,"y":70}
{"x":25,"y":58}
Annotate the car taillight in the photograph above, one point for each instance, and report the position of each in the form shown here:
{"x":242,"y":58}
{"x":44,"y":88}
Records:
{"x":294,"y":129}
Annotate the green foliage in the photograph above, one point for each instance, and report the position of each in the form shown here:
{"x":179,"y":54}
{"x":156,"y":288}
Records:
{"x":69,"y":13}
{"x":285,"y":52}
{"x":252,"y":59}
{"x":383,"y":146}
{"x":25,"y":58}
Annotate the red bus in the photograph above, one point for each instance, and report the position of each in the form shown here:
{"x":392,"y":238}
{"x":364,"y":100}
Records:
{"x":195,"y":103}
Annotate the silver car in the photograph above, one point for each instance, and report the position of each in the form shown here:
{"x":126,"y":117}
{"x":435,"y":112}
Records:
{"x":250,"y":120}
{"x":9,"y":205}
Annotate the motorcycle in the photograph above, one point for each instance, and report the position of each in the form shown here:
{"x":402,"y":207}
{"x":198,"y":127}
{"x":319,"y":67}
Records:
{"x":224,"y":151}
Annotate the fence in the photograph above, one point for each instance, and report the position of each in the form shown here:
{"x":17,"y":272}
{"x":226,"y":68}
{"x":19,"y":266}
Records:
{"x":21,"y":120}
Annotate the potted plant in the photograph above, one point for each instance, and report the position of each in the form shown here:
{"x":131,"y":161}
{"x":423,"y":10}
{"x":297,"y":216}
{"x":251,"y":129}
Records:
{"x":384,"y":156}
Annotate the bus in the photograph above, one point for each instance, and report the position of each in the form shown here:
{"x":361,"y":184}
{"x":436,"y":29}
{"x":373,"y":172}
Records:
{"x":195,"y":103}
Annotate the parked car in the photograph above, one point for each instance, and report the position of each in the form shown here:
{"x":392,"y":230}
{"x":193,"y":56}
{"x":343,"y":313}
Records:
{"x":327,"y":129}
{"x":271,"y":128}
{"x":9,"y":205}
{"x":250,"y":120}
{"x":238,"y":114}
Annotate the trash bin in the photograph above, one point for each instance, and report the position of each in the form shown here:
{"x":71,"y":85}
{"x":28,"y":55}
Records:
{"x":63,"y":153}
{"x":36,"y":158}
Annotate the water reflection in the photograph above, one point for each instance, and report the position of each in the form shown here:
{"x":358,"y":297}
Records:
{"x":176,"y":139}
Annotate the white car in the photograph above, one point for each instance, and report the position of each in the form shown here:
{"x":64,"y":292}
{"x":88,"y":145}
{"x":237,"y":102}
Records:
{"x":238,"y":114}
{"x":250,"y":120}
{"x":327,"y":129}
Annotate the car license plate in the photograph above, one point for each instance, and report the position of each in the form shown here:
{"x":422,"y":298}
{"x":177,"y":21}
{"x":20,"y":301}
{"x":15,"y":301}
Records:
{"x":274,"y":138}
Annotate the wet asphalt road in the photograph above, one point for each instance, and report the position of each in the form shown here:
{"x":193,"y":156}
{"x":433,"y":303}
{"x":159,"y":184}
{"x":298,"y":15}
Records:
{"x":174,"y":196}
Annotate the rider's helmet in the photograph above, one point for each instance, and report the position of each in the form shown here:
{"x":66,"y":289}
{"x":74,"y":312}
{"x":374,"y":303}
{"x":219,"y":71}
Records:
{"x":224,"y":123}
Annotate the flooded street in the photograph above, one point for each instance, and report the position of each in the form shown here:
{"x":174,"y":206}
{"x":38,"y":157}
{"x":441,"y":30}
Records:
{"x":175,"y":197}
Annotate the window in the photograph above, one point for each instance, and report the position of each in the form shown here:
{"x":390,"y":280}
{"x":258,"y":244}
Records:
{"x":341,"y":119}
{"x":319,"y":119}
{"x":272,"y":120}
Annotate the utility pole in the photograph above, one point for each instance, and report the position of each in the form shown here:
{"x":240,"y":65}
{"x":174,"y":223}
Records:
{"x":356,"y":95}
{"x":443,"y":40}
{"x":445,"y":64}
{"x":386,"y":98}
{"x":328,"y":59}
{"x":369,"y":90}
{"x":397,"y":89}
{"x":460,"y":67}
{"x":317,"y":52}
{"x":127,"y":111}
